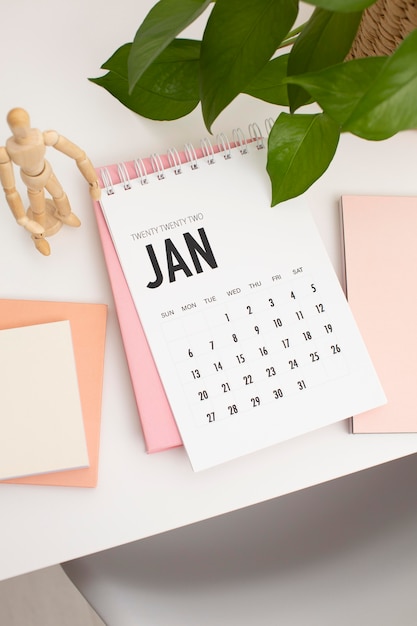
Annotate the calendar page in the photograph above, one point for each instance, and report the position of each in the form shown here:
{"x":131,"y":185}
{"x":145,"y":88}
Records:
{"x":246,"y":320}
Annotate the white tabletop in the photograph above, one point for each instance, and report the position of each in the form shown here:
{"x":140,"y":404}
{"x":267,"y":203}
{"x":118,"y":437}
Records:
{"x":48,"y":51}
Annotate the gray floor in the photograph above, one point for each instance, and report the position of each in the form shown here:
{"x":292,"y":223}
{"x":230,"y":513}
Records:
{"x":44,"y":598}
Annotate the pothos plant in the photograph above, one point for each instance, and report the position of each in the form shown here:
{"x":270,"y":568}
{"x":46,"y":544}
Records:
{"x":252,"y":47}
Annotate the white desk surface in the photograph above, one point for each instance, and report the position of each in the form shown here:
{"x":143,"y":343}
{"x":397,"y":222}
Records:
{"x":48,"y":51}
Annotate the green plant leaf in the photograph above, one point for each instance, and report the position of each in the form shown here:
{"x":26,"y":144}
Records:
{"x":374,"y":98}
{"x":240,"y":38}
{"x":162,"y":24}
{"x":389,"y":105}
{"x":325,"y":40}
{"x":339,"y":88}
{"x":344,"y":6}
{"x":169,"y":88}
{"x":269,"y":85}
{"x":300,"y":149}
{"x":117,"y":63}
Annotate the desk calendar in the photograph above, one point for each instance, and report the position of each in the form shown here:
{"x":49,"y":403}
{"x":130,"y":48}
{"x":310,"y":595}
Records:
{"x":246,"y":320}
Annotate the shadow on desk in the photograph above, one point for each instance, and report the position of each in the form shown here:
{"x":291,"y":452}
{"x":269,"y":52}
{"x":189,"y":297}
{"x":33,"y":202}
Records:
{"x":340,"y":553}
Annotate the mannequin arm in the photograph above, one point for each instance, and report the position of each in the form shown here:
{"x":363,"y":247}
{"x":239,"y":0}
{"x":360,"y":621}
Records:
{"x":52,"y":138}
{"x":13,"y":197}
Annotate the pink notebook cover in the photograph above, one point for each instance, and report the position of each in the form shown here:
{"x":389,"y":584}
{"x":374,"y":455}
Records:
{"x":380,"y":262}
{"x":158,"y":425}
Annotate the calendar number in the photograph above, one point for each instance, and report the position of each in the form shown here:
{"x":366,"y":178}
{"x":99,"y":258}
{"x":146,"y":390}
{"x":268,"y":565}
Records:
{"x":256,"y":401}
{"x":278,"y":393}
{"x":211,"y":417}
{"x":301,"y":385}
{"x":225,"y":387}
{"x":320,"y":308}
{"x":240,"y":358}
{"x":263,"y":351}
{"x":203,"y":395}
{"x":248,"y":380}
{"x":195,"y":373}
{"x":335,"y":349}
{"x":232,"y":409}
{"x":218,"y":366}
{"x":328,"y":328}
{"x":314,"y":357}
{"x":270,"y":371}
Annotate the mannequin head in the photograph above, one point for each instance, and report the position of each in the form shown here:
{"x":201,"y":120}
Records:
{"x":19,"y":122}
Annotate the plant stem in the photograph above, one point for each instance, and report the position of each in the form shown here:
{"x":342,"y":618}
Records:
{"x":292,"y":36}
{"x":287,"y":42}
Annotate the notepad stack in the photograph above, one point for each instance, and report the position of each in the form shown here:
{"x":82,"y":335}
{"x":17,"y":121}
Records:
{"x":51,"y":369}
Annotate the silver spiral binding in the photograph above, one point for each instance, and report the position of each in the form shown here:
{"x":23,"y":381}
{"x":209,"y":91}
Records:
{"x":224,"y":145}
{"x":174,"y":160}
{"x":191,"y":155}
{"x":107,"y":181}
{"x":208,"y":151}
{"x":141,"y":172}
{"x":223,"y":148}
{"x":158,"y":166}
{"x":256,"y":135}
{"x":269,"y":122}
{"x":239,"y":140}
{"x":124,"y":176}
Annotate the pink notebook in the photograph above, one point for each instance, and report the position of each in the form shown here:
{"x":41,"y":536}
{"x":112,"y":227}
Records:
{"x":380,"y":262}
{"x":158,"y":425}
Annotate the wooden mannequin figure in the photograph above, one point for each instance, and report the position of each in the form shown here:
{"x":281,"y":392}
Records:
{"x":26,"y":148}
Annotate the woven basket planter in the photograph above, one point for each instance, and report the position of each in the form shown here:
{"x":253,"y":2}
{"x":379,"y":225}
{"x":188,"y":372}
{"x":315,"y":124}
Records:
{"x":383,"y":27}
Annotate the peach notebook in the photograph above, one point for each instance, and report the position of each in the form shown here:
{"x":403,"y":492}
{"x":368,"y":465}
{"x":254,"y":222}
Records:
{"x":380,"y":263}
{"x":88,"y":325}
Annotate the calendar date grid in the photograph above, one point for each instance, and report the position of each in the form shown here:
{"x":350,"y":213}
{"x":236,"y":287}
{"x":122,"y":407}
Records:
{"x":254,"y":349}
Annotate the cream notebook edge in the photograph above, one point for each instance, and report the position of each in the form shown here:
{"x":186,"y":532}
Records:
{"x":41,"y":418}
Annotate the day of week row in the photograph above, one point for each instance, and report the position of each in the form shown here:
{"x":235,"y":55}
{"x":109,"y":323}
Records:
{"x":237,"y":291}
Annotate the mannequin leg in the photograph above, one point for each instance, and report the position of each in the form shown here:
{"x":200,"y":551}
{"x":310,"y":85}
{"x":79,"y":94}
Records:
{"x":60,"y":199}
{"x":37,"y":204}
{"x":38,"y":212}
